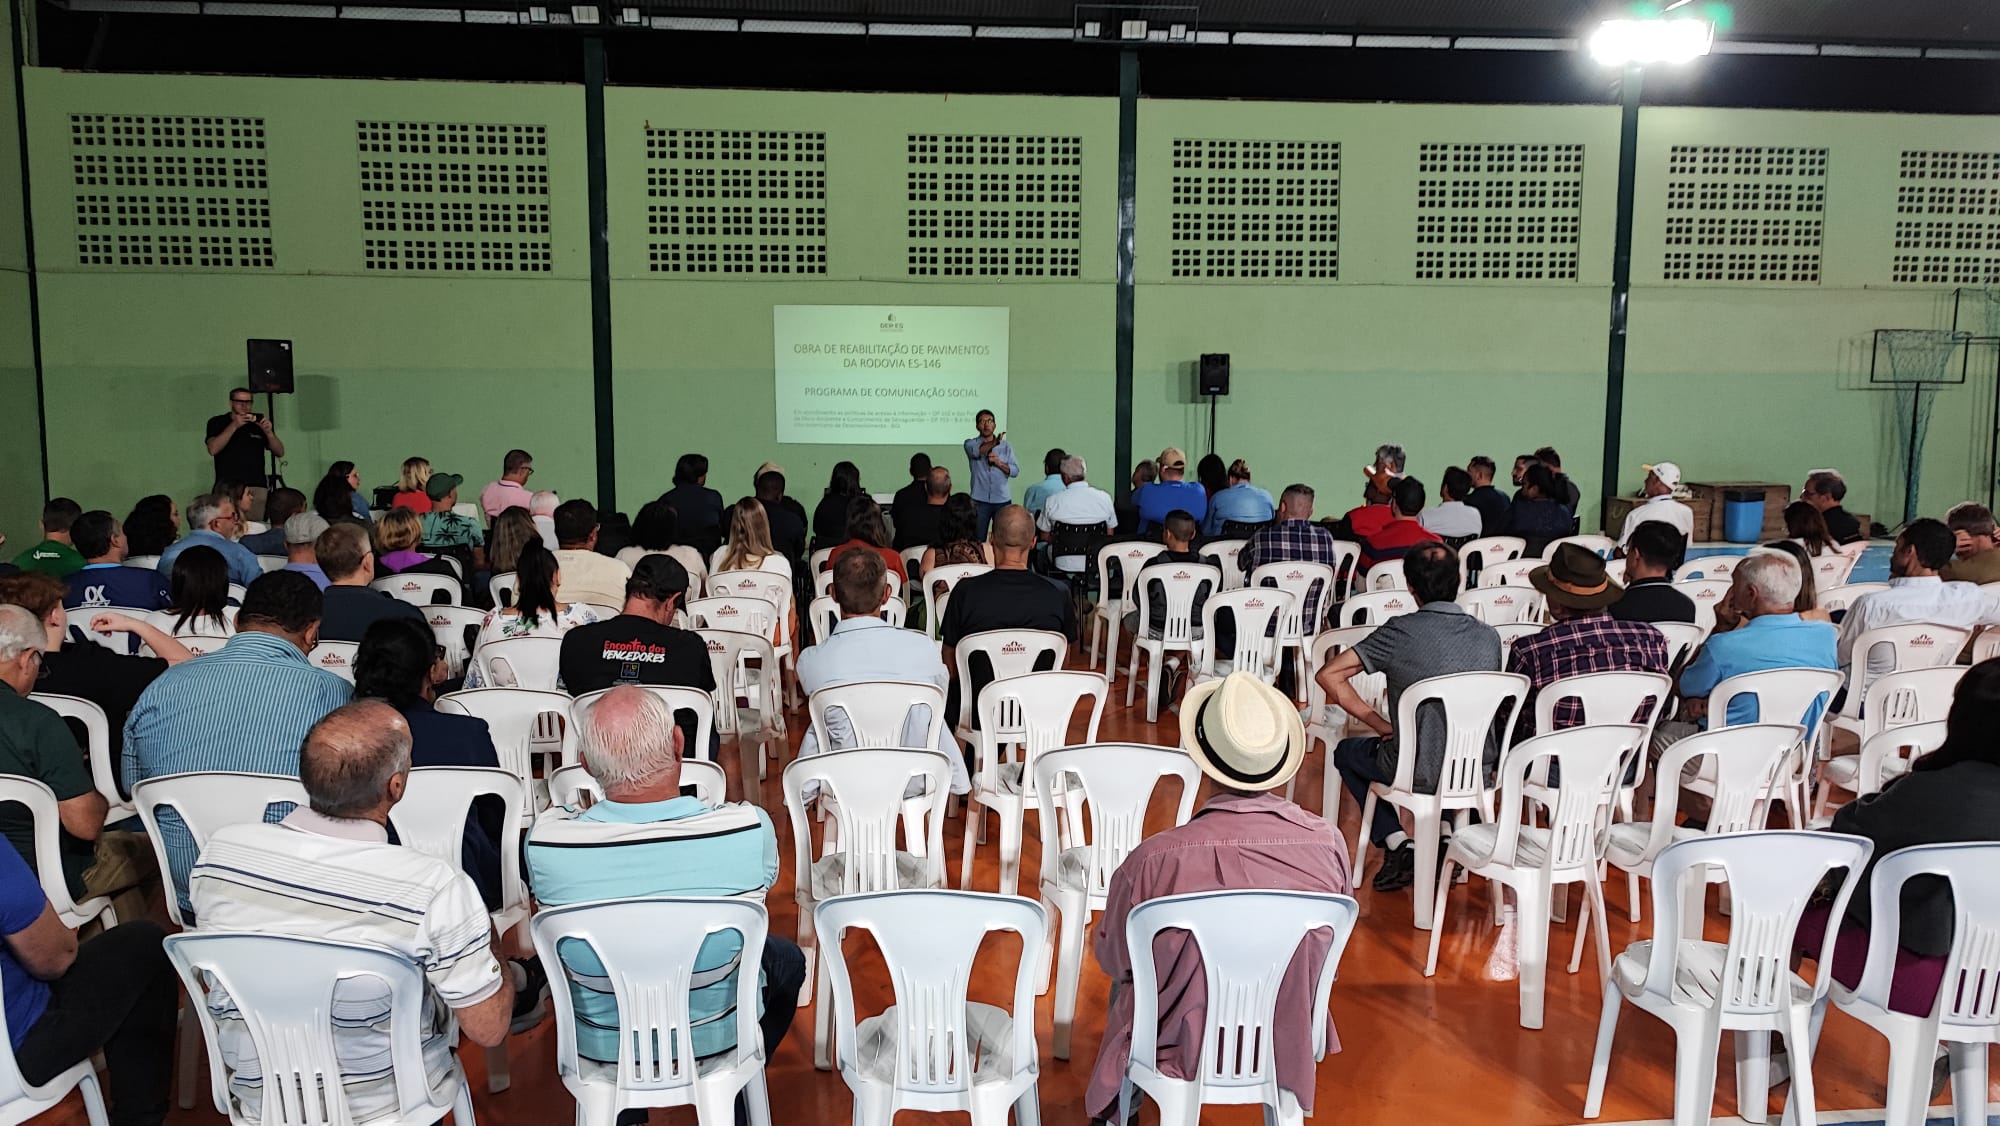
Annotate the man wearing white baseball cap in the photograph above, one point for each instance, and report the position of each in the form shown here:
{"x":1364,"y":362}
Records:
{"x":1247,"y":737}
{"x":1661,"y":481}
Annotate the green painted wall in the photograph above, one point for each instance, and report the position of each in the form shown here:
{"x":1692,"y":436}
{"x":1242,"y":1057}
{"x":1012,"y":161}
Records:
{"x":1732,"y":380}
{"x":20,"y":451}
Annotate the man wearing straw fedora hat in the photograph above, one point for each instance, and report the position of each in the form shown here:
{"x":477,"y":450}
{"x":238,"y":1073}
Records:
{"x":1584,"y":638}
{"x":1246,"y":736}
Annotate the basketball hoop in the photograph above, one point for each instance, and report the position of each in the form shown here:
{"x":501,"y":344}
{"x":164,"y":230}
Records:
{"x":1920,"y":359}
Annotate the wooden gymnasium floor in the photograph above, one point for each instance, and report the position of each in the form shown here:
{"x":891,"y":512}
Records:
{"x":1446,"y":1050}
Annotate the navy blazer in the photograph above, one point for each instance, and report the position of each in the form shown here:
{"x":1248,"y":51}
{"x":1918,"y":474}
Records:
{"x":438,"y":739}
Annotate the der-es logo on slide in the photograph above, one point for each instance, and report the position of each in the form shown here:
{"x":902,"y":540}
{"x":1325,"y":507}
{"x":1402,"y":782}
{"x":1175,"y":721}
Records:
{"x":890,"y":323}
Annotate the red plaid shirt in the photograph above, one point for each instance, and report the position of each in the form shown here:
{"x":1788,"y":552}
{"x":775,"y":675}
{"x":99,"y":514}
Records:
{"x":1595,"y":642}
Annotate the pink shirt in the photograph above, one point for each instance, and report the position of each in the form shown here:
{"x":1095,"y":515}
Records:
{"x":502,"y":495}
{"x":1236,"y":841}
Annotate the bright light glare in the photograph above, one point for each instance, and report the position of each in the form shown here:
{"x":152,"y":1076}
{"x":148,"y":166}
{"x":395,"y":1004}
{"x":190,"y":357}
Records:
{"x":1638,"y":42}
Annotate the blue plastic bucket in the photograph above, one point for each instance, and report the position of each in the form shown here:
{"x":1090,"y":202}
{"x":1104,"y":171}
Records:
{"x":1743,"y":515}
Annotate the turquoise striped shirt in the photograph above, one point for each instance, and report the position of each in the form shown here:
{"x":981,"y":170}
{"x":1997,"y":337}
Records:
{"x":246,"y":706}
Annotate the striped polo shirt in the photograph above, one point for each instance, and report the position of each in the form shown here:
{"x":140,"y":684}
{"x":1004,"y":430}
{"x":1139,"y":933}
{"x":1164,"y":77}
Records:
{"x":616,"y":850}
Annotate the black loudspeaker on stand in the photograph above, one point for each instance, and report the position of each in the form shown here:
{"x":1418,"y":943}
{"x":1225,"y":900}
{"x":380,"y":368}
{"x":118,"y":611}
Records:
{"x":271,"y":375}
{"x":1214,"y":372}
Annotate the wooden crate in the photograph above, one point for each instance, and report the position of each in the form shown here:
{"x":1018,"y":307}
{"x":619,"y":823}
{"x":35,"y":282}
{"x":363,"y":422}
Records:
{"x":1707,"y":501}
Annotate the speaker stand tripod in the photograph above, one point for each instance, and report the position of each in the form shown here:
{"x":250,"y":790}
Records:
{"x":1211,"y":424}
{"x":273,"y":479}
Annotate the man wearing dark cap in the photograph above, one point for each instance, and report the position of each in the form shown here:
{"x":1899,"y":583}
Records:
{"x":444,"y":528}
{"x":640,"y":646}
{"x":1584,"y":637}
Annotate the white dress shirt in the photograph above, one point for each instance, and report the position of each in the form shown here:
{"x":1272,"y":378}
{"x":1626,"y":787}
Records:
{"x":1926,"y":598}
{"x":1663,"y":508}
{"x":861,"y":649}
{"x":1080,"y":502}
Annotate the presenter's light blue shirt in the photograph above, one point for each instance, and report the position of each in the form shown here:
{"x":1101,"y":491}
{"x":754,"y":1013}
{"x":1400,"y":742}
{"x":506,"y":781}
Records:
{"x":1158,"y":500}
{"x":243,"y":565}
{"x":989,"y":484}
{"x":1242,"y":502}
{"x":1038,"y":494}
{"x":1774,"y":641}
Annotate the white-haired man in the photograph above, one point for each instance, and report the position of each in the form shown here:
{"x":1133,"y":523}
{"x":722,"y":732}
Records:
{"x":1375,"y":512}
{"x":647,"y":838}
{"x":214,"y":522}
{"x":1079,"y":504}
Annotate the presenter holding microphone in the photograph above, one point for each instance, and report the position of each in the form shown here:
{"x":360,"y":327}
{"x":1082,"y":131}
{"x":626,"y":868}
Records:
{"x":237,"y":441}
{"x":992,"y":461}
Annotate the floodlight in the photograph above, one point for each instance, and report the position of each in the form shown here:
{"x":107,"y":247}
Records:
{"x":1639,"y":42}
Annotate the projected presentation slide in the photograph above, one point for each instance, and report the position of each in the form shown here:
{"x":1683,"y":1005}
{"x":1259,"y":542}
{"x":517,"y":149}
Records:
{"x":887,"y":375}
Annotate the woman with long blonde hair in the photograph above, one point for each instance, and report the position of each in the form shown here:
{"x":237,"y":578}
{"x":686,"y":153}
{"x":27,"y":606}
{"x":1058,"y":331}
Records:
{"x":749,"y":549}
{"x":410,"y":492}
{"x":513,"y":530}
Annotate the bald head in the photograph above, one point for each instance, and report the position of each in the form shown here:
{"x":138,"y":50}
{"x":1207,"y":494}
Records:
{"x":630,"y":744}
{"x":937,"y":485}
{"x":353,"y":761}
{"x":1013,"y":537}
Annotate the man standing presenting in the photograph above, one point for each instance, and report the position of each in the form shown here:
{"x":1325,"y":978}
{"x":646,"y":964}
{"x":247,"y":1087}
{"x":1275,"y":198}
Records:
{"x":992,"y":461}
{"x":237,"y":441}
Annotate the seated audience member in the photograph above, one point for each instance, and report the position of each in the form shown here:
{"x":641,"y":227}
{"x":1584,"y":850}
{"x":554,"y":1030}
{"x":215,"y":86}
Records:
{"x":1078,"y":504}
{"x":397,"y":536}
{"x":1404,"y":530}
{"x":511,"y":490}
{"x":1170,"y":493}
{"x":1916,"y":594}
{"x":1439,"y":638}
{"x":829,"y":522}
{"x":1051,"y":483}
{"x":590,"y":577}
{"x":642,"y":645}
{"x":214,"y":522}
{"x":302,"y":533}
{"x":542,"y":506}
{"x":1496,"y":512}
{"x":788,"y":503}
{"x":55,"y":554}
{"x":413,"y":487}
{"x":1825,"y":489}
{"x":646,"y":838}
{"x":330,"y":869}
{"x":1374,"y":513}
{"x":1806,"y":527}
{"x":338,"y":495}
{"x":656,"y":531}
{"x":350,"y":605}
{"x":865,"y":531}
{"x":912,"y":492}
{"x":104,"y":579}
{"x":957,"y":537}
{"x":536,"y":611}
{"x":399,"y":664}
{"x":1652,"y":555}
{"x":152,"y":525}
{"x":280,"y":505}
{"x":112,"y":681}
{"x":1246,"y":736}
{"x":513,"y":531}
{"x":1453,"y":519}
{"x":1293,"y":539}
{"x":917,"y":521}
{"x":36,"y":743}
{"x":198,"y":593}
{"x":1177,"y":533}
{"x":784,"y":518}
{"x":1143,"y":474}
{"x":1239,"y":501}
{"x":67,"y":1001}
{"x":1807,"y":603}
{"x":1583,"y":637}
{"x":1211,"y":474}
{"x":1660,"y":506}
{"x":749,"y":547}
{"x":1975,"y":558}
{"x":445,"y":528}
{"x":1538,"y":516}
{"x":1008,"y":597}
{"x":697,"y":508}
{"x":1566,"y":489}
{"x":863,"y":647}
{"x":177,"y":727}
{"x":1947,"y":797}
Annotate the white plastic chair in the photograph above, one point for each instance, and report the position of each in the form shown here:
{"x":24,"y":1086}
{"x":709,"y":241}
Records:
{"x":200,"y":635}
{"x":236,"y":592}
{"x":1915,"y":693}
{"x":748,"y":613}
{"x":1706,"y":594}
{"x":1782,"y":696}
{"x":1179,"y":584}
{"x":39,"y":800}
{"x":1025,"y":716}
{"x":877,"y":713}
{"x":1511,"y":572}
{"x":1745,"y":763}
{"x":1835,"y":599}
{"x":935,"y":1050}
{"x":649,"y":950}
{"x":283,"y":987}
{"x":144,"y":562}
{"x":1601,"y":546}
{"x":420,"y":589}
{"x":816,"y":562}
{"x":1985,"y":645}
{"x":677,"y":699}
{"x":1614,"y":569}
{"x":1606,"y":698}
{"x":1683,"y":638}
{"x":748,"y":700}
{"x":1745,"y":986}
{"x":1832,"y":569}
{"x":524,"y":722}
{"x":1376,"y":607}
{"x":1488,"y":550}
{"x":1534,"y":860}
{"x":97,"y":746}
{"x":1243,"y":966}
{"x":1252,"y":610}
{"x":1114,"y":783}
{"x":270,"y":563}
{"x":120,"y":643}
{"x":1472,"y":702}
{"x":1708,"y":567}
{"x":449,"y":625}
{"x":1008,"y":652}
{"x":520,"y":662}
{"x":21,"y":1100}
{"x":1965,"y":1019}
{"x":569,"y":785}
{"x":1314,"y":588}
{"x":1884,"y":757}
{"x":1109,"y":614}
{"x":1225,"y":554}
{"x":336,"y":657}
{"x":913,"y":566}
{"x":1510,"y":632}
{"x":501,"y":588}
{"x":1326,"y":724}
{"x":862,"y":794}
{"x":774,"y":587}
{"x":946,"y":577}
{"x":1909,"y":645}
{"x":1385,"y":577}
{"x":1500,"y":605}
